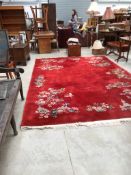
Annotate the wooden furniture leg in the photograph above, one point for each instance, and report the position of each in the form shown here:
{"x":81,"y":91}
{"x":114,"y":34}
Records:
{"x":13,"y":124}
{"x":21,"y":92}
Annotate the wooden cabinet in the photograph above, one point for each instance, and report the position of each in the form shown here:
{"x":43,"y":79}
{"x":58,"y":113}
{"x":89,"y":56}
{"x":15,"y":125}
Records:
{"x":12,"y":19}
{"x":20,"y":53}
{"x":44,"y":41}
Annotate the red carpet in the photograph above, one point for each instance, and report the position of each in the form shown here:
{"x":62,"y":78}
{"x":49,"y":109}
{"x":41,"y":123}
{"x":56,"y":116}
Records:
{"x":79,"y":89}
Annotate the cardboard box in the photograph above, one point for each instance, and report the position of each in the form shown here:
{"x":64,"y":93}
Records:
{"x":102,"y":51}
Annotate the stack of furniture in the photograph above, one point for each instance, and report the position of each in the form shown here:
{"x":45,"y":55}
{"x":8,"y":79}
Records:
{"x":12,"y":19}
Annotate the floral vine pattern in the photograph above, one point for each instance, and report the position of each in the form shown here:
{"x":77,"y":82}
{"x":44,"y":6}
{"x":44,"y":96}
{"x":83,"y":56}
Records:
{"x":125,"y":106}
{"x":50,"y":67}
{"x":127,"y":93}
{"x":50,"y":104}
{"x":98,"y":107}
{"x":118,"y":85}
{"x":39,"y":81}
{"x":119,"y":73}
{"x":49,"y":64}
{"x":98,"y":62}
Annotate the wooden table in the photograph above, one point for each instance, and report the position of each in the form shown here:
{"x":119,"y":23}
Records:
{"x":44,"y":40}
{"x":126,"y":38}
{"x":7,"y":107}
{"x":110,"y":35}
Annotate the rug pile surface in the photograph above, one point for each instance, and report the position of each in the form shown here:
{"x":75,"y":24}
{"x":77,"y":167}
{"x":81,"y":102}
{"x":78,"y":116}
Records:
{"x":77,"y":89}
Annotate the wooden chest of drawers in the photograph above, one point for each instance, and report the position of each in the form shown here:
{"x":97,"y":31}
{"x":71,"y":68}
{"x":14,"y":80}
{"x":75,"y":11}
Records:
{"x":19,"y":53}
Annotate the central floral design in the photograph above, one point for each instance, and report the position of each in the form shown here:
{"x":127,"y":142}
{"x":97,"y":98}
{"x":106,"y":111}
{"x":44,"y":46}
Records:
{"x":53,"y":102}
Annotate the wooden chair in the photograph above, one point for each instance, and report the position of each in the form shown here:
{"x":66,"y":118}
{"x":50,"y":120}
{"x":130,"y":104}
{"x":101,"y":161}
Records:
{"x":31,"y":40}
{"x":119,"y":48}
{"x":40,"y":20}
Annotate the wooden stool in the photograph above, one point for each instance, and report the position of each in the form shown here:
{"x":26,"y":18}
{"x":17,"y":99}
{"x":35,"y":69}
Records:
{"x":74,"y":49}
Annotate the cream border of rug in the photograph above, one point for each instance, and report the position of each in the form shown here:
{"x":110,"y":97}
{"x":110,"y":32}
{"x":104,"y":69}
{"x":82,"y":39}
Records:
{"x":100,"y":123}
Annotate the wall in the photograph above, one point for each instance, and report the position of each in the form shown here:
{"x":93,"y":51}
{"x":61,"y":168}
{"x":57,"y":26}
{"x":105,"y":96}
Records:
{"x":64,"y":7}
{"x":113,"y":5}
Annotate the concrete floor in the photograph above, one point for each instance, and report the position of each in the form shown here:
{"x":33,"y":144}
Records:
{"x":99,"y":149}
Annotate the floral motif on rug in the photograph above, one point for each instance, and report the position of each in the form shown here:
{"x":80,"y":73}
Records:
{"x":77,"y":89}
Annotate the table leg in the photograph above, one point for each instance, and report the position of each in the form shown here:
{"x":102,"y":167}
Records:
{"x":13,"y":124}
{"x":21,"y":92}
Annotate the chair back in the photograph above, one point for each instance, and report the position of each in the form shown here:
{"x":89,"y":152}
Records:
{"x":40,"y":15}
{"x":4,"y":48}
{"x":45,"y":12}
{"x":35,"y":11}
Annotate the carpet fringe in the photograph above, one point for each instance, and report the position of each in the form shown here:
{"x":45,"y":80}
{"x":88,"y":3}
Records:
{"x":102,"y":123}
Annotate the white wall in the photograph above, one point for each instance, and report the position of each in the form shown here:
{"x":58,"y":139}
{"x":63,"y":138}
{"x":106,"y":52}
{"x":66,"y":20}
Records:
{"x":103,"y":6}
{"x":64,"y":7}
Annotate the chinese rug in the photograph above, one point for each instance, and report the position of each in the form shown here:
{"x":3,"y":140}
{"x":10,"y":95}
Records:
{"x":77,"y":89}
